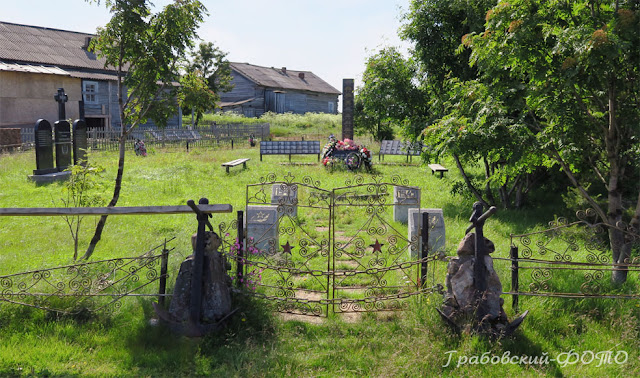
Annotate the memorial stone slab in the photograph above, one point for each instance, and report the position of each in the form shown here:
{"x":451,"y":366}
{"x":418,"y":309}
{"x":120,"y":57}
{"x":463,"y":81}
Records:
{"x":262,"y":226}
{"x":404,"y":198}
{"x":79,"y":142}
{"x":286,"y":198}
{"x":44,"y":148}
{"x":436,"y":231}
{"x":347,"y":108}
{"x":62,"y":132}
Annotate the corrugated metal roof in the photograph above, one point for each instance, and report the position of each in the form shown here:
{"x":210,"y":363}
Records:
{"x":29,"y":68}
{"x":45,"y":46}
{"x":270,"y":77}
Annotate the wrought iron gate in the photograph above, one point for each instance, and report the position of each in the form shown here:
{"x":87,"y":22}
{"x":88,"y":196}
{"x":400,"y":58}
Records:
{"x":313,"y":250}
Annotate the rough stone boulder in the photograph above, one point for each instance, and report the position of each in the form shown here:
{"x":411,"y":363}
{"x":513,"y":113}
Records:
{"x":216,"y":284}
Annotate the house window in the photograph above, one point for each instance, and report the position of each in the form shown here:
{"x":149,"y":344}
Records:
{"x":332,"y":107}
{"x":90,"y":92}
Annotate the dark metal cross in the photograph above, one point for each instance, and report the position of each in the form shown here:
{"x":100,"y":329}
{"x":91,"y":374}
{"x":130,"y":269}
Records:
{"x":61,"y":98}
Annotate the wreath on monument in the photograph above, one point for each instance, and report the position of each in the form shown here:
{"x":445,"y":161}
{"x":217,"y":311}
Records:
{"x":353,"y":155}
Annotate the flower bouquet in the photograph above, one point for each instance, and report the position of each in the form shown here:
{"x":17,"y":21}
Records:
{"x":345,"y":150}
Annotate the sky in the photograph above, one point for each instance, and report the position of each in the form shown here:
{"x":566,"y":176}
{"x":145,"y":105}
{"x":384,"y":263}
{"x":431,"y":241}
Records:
{"x":331,"y":38}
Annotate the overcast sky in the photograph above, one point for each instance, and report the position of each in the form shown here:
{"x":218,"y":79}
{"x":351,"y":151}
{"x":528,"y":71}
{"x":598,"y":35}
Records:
{"x":331,"y":38}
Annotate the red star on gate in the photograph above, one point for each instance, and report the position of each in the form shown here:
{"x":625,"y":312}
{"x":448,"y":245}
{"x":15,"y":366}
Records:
{"x":287,"y":248}
{"x":376,"y":247}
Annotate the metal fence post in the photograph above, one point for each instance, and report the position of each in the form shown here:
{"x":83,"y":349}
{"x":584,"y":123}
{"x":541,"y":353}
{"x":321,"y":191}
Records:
{"x":240,"y":252}
{"x":164,"y":262}
{"x":515,"y":284}
{"x":425,"y":249}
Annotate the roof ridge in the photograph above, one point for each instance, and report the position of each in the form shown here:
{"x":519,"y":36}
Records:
{"x":45,"y":28}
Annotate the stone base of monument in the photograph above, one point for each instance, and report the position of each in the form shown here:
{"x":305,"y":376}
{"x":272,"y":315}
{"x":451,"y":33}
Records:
{"x":463,"y":303}
{"x":216,"y":297}
{"x":48,"y":178}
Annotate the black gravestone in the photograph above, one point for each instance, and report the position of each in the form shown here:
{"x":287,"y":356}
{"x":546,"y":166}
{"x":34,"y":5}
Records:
{"x":62,"y":131}
{"x":44,"y":148}
{"x":79,"y":142}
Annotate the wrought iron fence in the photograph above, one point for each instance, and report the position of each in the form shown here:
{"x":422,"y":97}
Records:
{"x":303,"y":253}
{"x":96,"y":285}
{"x":555,"y":261}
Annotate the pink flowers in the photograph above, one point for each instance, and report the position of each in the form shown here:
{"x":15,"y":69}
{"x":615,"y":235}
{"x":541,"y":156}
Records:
{"x":252,"y":279}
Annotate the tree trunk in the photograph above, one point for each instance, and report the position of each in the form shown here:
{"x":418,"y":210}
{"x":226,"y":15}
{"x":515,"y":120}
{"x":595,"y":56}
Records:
{"x":487,"y":188}
{"x":114,"y":200}
{"x":473,"y":189}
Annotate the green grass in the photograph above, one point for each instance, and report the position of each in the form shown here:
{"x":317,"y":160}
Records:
{"x":257,"y":342}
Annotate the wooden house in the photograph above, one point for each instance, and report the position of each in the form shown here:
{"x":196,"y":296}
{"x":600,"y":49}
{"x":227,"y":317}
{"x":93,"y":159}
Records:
{"x":266,"y":89}
{"x":36,"y":61}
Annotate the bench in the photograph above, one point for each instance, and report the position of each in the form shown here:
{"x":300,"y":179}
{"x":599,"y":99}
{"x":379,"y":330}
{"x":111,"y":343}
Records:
{"x":438,"y":168}
{"x":233,"y":163}
{"x":396,"y":147}
{"x":298,"y":147}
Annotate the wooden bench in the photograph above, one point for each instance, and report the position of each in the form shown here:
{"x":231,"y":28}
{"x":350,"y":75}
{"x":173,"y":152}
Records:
{"x":290,"y":147}
{"x":233,"y":163}
{"x":438,"y":168}
{"x":396,"y":147}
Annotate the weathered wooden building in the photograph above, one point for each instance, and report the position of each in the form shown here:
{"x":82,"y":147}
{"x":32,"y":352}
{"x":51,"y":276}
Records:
{"x":36,"y":61}
{"x":266,"y":89}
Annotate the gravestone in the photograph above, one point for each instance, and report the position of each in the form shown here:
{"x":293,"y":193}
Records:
{"x":44,"y":148}
{"x":436,"y":231}
{"x":262,"y":227}
{"x":62,"y":132}
{"x":286,"y":198}
{"x":79,"y":142}
{"x":404,"y":198}
{"x":347,"y":109}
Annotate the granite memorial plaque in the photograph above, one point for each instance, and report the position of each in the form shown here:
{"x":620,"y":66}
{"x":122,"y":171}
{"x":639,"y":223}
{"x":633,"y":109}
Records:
{"x":262,"y":227}
{"x":44,"y":148}
{"x":79,"y":142}
{"x":436,"y":231}
{"x":62,"y":132}
{"x":286,"y":198}
{"x":404,"y":198}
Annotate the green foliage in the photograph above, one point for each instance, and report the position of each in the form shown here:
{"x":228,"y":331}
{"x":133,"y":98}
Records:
{"x":84,"y":188}
{"x":195,"y":95}
{"x":388,"y":95}
{"x":257,"y":342}
{"x":209,"y":63}
{"x":146,"y":49}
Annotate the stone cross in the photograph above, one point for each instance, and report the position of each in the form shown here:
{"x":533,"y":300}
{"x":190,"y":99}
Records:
{"x":61,"y":98}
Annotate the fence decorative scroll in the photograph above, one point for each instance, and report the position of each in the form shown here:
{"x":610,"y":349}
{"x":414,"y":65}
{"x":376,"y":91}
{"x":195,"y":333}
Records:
{"x":91,"y":286}
{"x":311,"y":250}
{"x":569,"y":255}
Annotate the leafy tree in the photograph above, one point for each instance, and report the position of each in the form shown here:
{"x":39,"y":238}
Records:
{"x":464,"y":121}
{"x":388,"y":95}
{"x":210,"y":63}
{"x":145,"y":50}
{"x":195,"y":94}
{"x":579,"y":65}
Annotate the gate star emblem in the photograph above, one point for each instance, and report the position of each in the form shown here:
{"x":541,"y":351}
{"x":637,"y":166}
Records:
{"x":376,"y":247}
{"x":287,"y":248}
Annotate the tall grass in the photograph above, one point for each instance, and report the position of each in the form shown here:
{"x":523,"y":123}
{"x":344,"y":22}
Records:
{"x":258,"y":342}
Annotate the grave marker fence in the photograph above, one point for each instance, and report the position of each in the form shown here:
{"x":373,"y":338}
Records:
{"x":202,"y":136}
